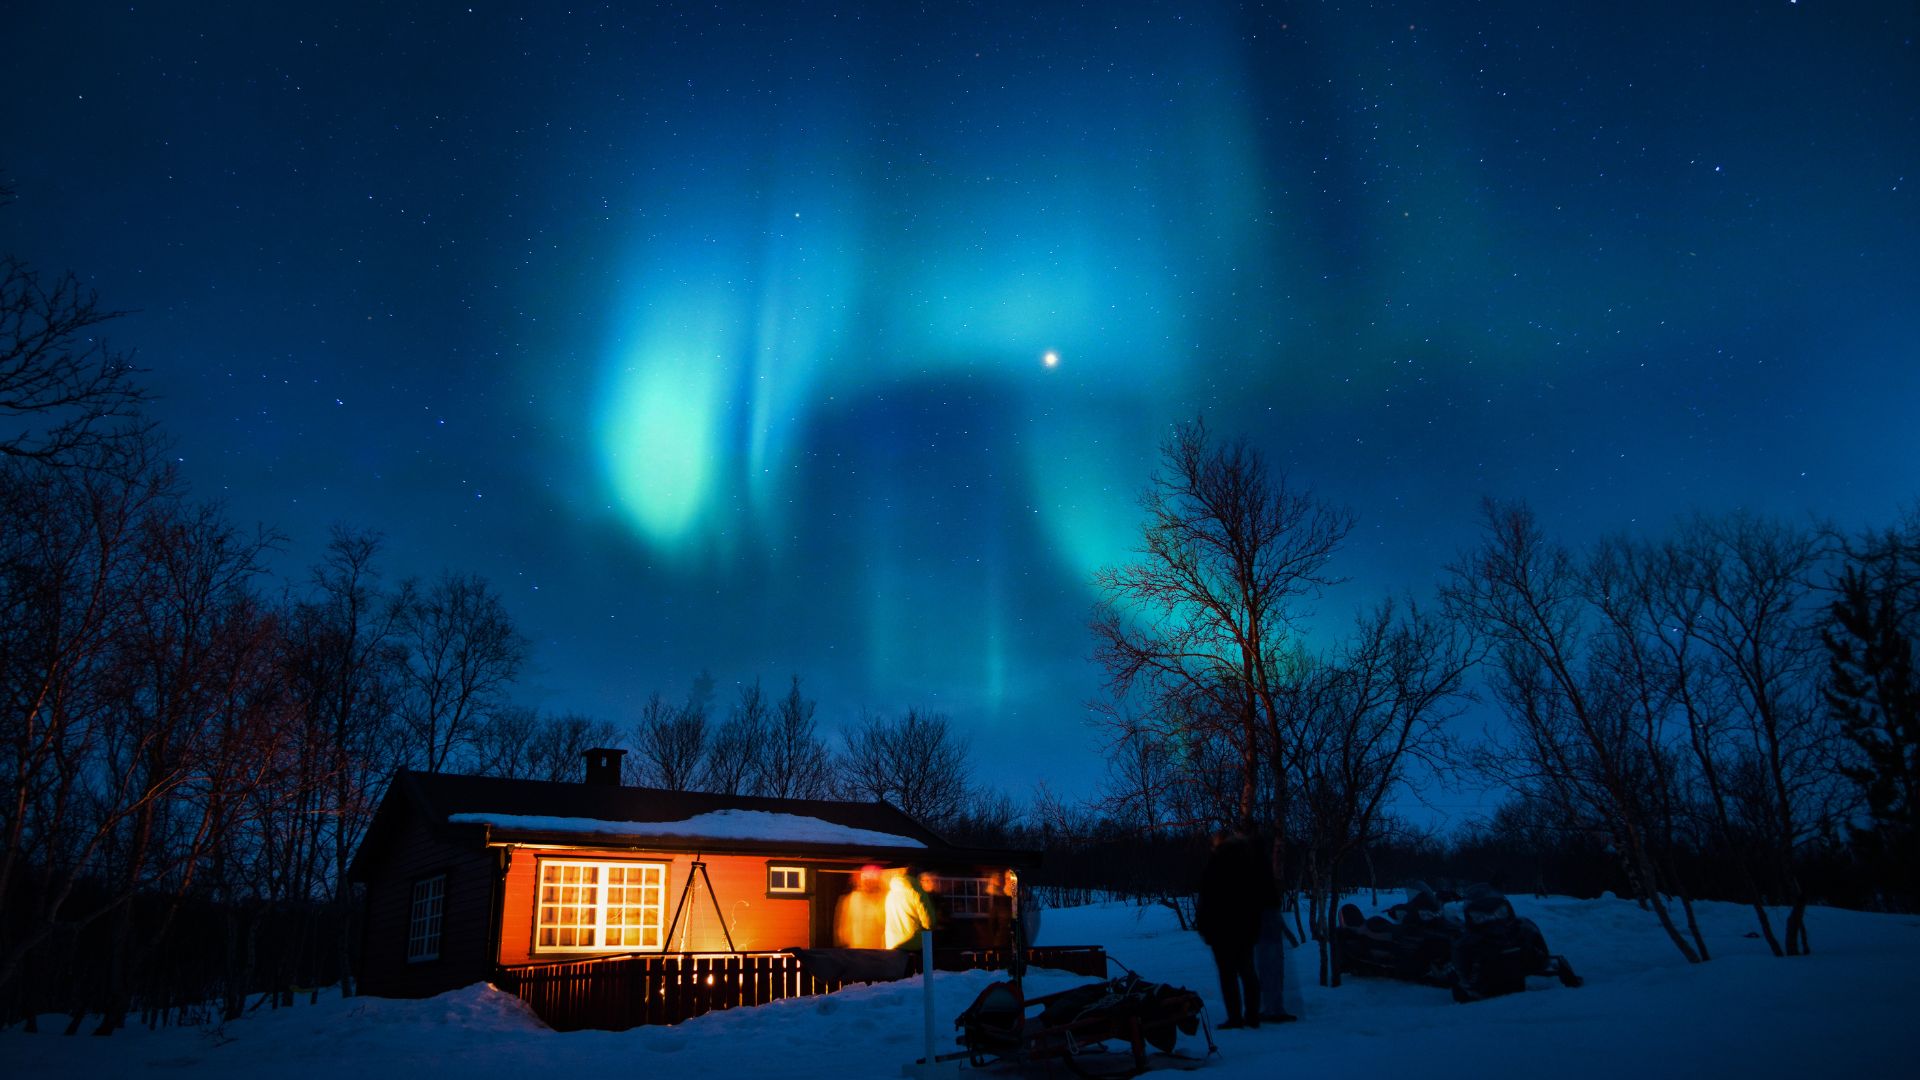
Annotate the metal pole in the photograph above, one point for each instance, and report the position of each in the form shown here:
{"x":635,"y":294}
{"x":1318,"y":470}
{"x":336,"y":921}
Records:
{"x":926,"y":976}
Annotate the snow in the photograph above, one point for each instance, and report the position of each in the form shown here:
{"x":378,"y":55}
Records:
{"x":718,"y":825}
{"x":1644,"y":1012}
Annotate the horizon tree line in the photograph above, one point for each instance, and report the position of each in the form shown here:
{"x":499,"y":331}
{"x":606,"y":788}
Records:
{"x":1728,"y":706}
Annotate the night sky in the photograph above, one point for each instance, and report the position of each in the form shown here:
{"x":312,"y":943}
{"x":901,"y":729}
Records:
{"x":717,"y":336}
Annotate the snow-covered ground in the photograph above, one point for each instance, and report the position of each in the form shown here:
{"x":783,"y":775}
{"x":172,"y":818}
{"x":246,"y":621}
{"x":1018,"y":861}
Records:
{"x":1643,"y":1013}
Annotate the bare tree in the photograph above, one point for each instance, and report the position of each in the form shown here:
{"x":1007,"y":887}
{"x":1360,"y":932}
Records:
{"x":1655,"y":681}
{"x":504,"y":743}
{"x":1760,"y":625}
{"x":1142,"y":790}
{"x":170,"y":688}
{"x":796,"y":763}
{"x":734,"y":760}
{"x":672,"y":744}
{"x":1577,"y":741}
{"x":915,"y":762}
{"x":1364,"y":716}
{"x":67,"y":397}
{"x":1193,"y":625}
{"x":353,"y":662}
{"x":135,"y":666}
{"x":559,"y":750}
{"x":460,"y":653}
{"x":70,"y":552}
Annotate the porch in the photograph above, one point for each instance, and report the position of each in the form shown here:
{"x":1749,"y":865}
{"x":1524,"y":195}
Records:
{"x":619,"y":992}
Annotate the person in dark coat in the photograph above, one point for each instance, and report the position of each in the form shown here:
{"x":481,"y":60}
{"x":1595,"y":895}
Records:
{"x":1235,"y":888}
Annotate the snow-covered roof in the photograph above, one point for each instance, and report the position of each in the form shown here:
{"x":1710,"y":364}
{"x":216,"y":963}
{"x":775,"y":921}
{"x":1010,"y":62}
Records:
{"x":716,"y":825}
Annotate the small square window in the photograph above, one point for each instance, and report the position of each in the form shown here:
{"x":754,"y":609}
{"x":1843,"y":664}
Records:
{"x":786,"y":879}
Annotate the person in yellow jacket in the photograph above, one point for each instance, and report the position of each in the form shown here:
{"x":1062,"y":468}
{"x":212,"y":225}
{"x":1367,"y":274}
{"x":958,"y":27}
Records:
{"x":908,"y":911}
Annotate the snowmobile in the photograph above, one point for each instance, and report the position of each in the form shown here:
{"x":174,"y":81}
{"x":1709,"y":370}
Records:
{"x":1073,"y":1026}
{"x":1474,"y":945}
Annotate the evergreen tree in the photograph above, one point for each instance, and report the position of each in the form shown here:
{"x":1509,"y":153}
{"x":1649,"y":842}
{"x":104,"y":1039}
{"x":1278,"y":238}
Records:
{"x":1874,"y":694}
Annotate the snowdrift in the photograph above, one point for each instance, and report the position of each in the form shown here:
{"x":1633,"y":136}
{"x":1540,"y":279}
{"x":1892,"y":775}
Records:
{"x":1643,"y":1012}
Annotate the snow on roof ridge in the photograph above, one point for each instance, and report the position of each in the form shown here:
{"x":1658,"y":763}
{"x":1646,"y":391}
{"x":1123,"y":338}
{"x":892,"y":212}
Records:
{"x":713,"y":825}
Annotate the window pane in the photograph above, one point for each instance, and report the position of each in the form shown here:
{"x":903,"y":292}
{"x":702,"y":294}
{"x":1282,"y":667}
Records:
{"x":599,"y":906}
{"x":423,"y":919}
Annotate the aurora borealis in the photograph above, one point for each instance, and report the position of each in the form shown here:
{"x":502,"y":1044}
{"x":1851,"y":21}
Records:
{"x":715,"y":335}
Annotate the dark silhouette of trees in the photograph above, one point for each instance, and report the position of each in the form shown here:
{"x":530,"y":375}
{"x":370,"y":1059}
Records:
{"x":671,"y":744}
{"x":458,"y":654}
{"x":73,"y":542}
{"x":1873,"y":695}
{"x":734,"y":764}
{"x":795,"y":762}
{"x":68,"y":399}
{"x":1578,"y":740}
{"x":915,"y":761}
{"x":1357,"y":721}
{"x":1757,"y":622}
{"x":518,"y":743}
{"x":352,"y":663}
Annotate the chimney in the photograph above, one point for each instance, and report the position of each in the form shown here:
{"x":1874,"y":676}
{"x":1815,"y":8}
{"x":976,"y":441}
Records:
{"x":603,"y":767}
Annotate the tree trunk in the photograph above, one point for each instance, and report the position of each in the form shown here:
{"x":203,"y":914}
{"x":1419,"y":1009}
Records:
{"x":1766,"y":922}
{"x":1693,"y":927}
{"x":1797,"y":944}
{"x":1640,"y":869}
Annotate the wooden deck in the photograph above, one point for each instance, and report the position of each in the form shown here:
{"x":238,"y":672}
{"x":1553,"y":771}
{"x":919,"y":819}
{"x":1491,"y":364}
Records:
{"x":619,"y":992}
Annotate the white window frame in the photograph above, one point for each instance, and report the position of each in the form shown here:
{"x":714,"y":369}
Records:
{"x":800,"y":877}
{"x":601,"y":866}
{"x":426,"y":918}
{"x":980,"y":895}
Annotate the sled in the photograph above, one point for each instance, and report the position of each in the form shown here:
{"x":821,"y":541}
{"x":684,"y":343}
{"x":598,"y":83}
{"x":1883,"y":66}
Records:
{"x":1074,"y":1027}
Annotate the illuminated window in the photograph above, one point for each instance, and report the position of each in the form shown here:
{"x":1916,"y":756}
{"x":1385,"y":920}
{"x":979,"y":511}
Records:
{"x":966,"y":897}
{"x":423,"y":924}
{"x":600,"y":907}
{"x":786,"y":879}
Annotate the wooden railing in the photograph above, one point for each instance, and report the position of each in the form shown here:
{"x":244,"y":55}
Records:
{"x":619,"y":992}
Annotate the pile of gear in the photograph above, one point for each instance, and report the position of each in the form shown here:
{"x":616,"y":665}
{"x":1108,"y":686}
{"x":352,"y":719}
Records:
{"x":1472,"y":943}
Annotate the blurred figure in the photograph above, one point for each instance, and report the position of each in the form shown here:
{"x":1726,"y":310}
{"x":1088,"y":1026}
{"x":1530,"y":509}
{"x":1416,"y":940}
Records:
{"x":908,"y":911}
{"x":860,"y":921}
{"x":1235,"y":888}
{"x":999,"y":913}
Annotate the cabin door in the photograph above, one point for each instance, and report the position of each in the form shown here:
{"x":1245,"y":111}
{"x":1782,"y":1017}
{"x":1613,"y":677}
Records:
{"x":828,"y":887}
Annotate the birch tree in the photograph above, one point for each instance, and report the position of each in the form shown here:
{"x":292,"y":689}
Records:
{"x":1575,"y":740}
{"x":1193,"y":625}
{"x":796,"y":763}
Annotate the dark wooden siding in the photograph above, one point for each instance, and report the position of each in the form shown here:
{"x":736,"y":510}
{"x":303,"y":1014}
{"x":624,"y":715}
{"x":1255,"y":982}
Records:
{"x":413,"y":854}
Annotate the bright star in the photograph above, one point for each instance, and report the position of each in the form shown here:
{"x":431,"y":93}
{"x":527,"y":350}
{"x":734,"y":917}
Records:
{"x":1052,"y":359}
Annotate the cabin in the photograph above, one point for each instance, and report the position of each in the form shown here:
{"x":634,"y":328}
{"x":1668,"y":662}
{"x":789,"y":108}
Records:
{"x":605,"y":905}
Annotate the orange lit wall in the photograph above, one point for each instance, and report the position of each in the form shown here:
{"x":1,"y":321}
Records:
{"x":758,"y":923}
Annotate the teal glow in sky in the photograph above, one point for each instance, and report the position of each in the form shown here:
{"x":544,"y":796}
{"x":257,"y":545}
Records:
{"x":764,"y":286}
{"x":716,"y":335}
